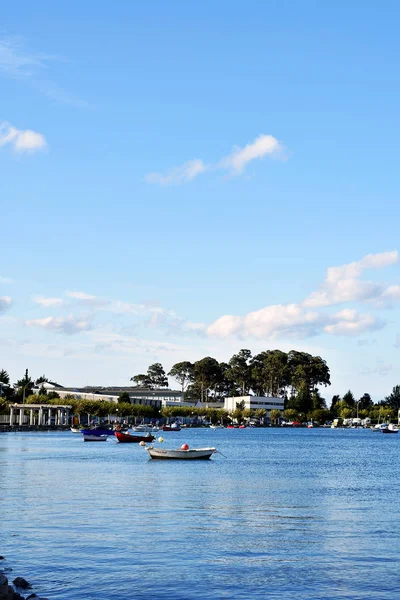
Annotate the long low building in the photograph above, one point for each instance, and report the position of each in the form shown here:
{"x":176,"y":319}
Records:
{"x":137,"y":395}
{"x":254,"y":403}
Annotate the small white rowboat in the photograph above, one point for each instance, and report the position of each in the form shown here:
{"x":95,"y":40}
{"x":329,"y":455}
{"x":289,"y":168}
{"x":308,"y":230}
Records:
{"x":94,"y":438}
{"x":192,"y":454}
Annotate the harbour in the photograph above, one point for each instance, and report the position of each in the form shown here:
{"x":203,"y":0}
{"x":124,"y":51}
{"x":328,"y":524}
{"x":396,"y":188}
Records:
{"x":288,"y":512}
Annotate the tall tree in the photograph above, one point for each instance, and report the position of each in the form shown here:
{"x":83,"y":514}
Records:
{"x":239,"y":371}
{"x":141,"y":380}
{"x":183,"y":373}
{"x":206,"y":374}
{"x":270,"y":373}
{"x":41,"y":379}
{"x":157,"y":376}
{"x":123,"y":398}
{"x":25,"y":385}
{"x":4,"y":377}
{"x":348,"y":399}
{"x":393,"y":400}
{"x":365,"y":402}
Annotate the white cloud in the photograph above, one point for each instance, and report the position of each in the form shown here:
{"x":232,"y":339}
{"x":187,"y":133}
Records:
{"x":292,"y":321}
{"x":5,"y":303}
{"x":68,"y":325}
{"x":21,"y":140}
{"x":5,"y":280}
{"x":263,"y":145}
{"x":350,"y":322}
{"x":342,"y":284}
{"x":178,"y":175}
{"x":46,"y":302}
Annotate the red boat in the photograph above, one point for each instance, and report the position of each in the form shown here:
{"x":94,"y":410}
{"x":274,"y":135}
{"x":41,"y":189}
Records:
{"x":128,"y":438}
{"x":172,"y":427}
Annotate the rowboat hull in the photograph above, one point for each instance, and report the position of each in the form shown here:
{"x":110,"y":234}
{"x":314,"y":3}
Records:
{"x":75,"y":430}
{"x":127,"y":438}
{"x":195,"y":454}
{"x":94,"y":438}
{"x":169,"y":428}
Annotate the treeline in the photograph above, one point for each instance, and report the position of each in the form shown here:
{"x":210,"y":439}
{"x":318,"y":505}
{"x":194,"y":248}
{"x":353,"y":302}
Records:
{"x":269,"y":373}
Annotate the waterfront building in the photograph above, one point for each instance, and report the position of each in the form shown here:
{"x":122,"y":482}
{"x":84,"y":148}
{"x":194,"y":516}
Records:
{"x":138,"y":395}
{"x":37,"y":415}
{"x":254,"y":403}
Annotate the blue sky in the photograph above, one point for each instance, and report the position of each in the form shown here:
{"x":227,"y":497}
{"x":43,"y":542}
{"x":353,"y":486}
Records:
{"x":179,"y":178}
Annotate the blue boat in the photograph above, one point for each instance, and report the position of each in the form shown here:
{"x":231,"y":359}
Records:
{"x":97,"y":431}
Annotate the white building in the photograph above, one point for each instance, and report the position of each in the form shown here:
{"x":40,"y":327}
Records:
{"x":254,"y":403}
{"x":157,"y":397}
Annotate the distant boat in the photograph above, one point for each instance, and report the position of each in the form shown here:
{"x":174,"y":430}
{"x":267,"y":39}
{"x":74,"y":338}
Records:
{"x":173,"y":427}
{"x":192,"y":454}
{"x":128,"y":438}
{"x":146,"y":428}
{"x":75,"y":430}
{"x":390,"y":428}
{"x":94,"y":438}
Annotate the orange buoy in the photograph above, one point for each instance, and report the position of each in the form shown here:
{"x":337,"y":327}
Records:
{"x":184,"y":447}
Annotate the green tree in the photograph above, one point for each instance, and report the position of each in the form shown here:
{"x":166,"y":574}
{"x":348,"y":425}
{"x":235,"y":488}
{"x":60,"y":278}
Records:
{"x":348,"y":399}
{"x":237,"y":415}
{"x":318,"y":402}
{"x":393,"y":400}
{"x":25,"y":386}
{"x":239,"y":370}
{"x":305,"y":369}
{"x":334,"y":403}
{"x":41,"y":379}
{"x":321,"y":415}
{"x":157,"y":376}
{"x":141,"y":380}
{"x":124,"y":398}
{"x":274,"y":416}
{"x":365,"y":402}
{"x":183,"y":373}
{"x":207,"y":373}
{"x":4,"y":377}
{"x":291,"y":414}
{"x":270,"y":373}
{"x":260,"y":414}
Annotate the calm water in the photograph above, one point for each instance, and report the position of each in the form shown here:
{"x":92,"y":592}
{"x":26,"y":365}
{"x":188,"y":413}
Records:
{"x":288,"y":513}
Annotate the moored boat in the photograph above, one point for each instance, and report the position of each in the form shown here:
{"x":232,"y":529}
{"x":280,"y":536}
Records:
{"x":75,"y":430}
{"x":390,"y":428}
{"x":94,"y":438}
{"x":128,"y":438}
{"x":97,"y":431}
{"x":180,"y":454}
{"x":173,"y":427}
{"x":146,"y":428}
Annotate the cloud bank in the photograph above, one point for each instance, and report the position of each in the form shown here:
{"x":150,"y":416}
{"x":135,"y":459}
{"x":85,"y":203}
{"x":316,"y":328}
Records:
{"x":342,"y":285}
{"x":68,"y":325}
